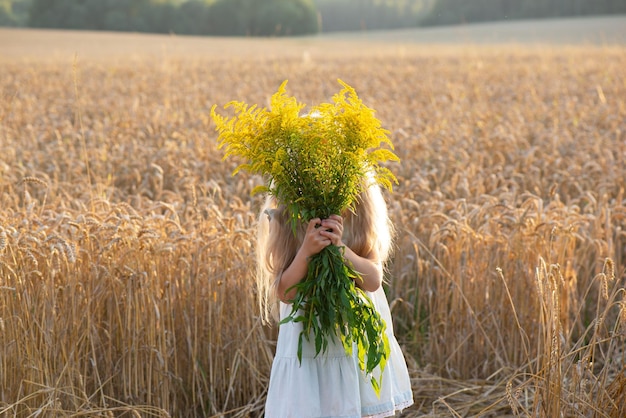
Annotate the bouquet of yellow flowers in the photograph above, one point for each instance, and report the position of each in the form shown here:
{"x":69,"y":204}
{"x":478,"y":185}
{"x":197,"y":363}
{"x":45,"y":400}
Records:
{"x":316,"y":165}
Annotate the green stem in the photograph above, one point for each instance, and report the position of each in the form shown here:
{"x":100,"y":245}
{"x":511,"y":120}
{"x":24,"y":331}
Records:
{"x":311,"y":315}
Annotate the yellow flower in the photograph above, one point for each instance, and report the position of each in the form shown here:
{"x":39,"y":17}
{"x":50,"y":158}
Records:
{"x":325,"y":154}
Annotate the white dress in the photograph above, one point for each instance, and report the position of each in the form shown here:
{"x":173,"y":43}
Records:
{"x":331,"y":384}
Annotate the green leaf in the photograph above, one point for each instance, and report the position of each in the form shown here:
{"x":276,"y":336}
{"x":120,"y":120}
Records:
{"x":376,"y":384}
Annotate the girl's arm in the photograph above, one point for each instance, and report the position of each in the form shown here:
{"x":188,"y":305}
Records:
{"x":369,"y":267}
{"x":312,"y":244}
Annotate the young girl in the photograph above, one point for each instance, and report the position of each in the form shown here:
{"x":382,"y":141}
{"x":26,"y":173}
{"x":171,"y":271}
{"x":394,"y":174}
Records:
{"x":330,"y":384}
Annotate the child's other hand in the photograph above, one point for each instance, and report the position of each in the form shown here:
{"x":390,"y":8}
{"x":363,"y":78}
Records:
{"x":314,"y":241}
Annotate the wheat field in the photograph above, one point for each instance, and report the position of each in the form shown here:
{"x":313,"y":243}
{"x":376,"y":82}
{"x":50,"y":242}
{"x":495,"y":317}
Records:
{"x":126,"y":246}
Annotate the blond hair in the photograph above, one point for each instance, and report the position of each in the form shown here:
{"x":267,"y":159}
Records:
{"x":366,"y":230}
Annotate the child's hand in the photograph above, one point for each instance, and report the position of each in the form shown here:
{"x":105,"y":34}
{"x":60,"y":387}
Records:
{"x":314,"y":241}
{"x":321,"y":233}
{"x":332,"y":228}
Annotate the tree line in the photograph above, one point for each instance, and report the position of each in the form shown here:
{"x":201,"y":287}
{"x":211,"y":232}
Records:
{"x":192,"y":17}
{"x":281,"y":17}
{"x":447,"y":12}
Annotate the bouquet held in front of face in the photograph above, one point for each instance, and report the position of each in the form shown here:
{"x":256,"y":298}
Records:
{"x":316,"y":165}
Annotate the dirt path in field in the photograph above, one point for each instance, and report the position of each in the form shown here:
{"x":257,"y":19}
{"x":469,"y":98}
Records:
{"x":605,"y":30}
{"x":27,"y":44}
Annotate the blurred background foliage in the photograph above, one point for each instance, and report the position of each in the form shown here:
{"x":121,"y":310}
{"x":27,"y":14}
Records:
{"x":281,"y":17}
